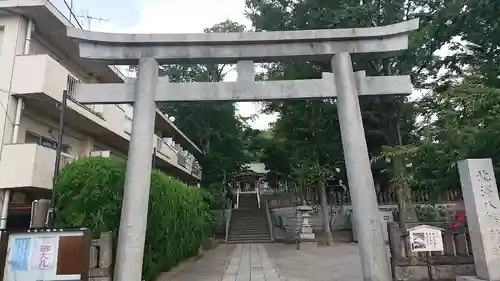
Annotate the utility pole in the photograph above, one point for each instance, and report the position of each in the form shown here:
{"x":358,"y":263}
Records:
{"x":57,"y":165}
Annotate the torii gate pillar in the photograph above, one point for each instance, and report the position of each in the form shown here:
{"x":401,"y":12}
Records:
{"x":366,"y":213}
{"x":134,"y":215}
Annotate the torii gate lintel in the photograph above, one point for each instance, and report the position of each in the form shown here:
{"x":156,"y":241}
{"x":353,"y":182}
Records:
{"x":239,"y":91}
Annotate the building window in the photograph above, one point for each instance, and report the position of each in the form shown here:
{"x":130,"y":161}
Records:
{"x":34,"y":138}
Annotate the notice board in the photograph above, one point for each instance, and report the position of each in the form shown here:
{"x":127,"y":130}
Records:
{"x":45,"y":254}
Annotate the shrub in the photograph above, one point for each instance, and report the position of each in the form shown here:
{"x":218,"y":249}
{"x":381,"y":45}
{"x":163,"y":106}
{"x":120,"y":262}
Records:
{"x":89,"y":193}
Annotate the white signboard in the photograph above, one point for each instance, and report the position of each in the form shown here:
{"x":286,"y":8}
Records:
{"x":34,"y":256}
{"x":425,"y":238}
{"x":43,"y":254}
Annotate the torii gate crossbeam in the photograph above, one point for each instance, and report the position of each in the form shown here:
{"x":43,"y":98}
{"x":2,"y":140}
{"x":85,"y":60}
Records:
{"x":116,"y":93}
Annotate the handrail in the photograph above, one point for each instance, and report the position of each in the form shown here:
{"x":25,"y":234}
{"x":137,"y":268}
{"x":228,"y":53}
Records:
{"x":228,"y":219}
{"x":238,"y":197}
{"x":258,"y":197}
{"x":269,"y":220}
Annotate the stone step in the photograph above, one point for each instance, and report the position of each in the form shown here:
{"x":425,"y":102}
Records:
{"x":255,"y":237}
{"x":254,"y":241}
{"x":246,"y":218}
{"x":241,"y":238}
{"x":249,"y":230}
{"x":250,"y":227}
{"x":251,"y":224}
{"x":243,"y":218}
{"x":260,"y":217}
{"x":249,"y":220}
{"x":245,"y":235}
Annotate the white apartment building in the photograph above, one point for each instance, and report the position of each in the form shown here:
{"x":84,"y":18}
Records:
{"x":37,"y":63}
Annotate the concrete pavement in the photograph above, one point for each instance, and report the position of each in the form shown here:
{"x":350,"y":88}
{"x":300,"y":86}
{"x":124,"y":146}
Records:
{"x":340,"y":262}
{"x":251,"y":262}
{"x":274,"y":262}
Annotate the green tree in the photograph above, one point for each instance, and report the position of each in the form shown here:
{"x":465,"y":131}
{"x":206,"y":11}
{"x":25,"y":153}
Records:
{"x":461,"y":120}
{"x":214,"y":126}
{"x":388,"y":120}
{"x":308,"y":140}
{"x":477,"y":49}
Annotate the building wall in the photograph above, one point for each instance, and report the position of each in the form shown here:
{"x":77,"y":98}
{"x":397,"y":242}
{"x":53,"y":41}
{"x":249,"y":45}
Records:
{"x":49,"y":129}
{"x":13,"y":34}
{"x":81,"y":144}
{"x":39,"y":46}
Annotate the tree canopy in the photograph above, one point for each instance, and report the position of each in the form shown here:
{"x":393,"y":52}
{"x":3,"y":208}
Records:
{"x":453,"y":61}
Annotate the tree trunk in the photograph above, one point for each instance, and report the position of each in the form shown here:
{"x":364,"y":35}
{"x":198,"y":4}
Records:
{"x":302,"y":192}
{"x":403,"y":193}
{"x":326,"y":215}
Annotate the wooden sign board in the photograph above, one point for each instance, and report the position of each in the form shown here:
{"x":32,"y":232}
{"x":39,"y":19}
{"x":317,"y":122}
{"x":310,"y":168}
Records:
{"x":45,"y":254}
{"x":425,"y":238}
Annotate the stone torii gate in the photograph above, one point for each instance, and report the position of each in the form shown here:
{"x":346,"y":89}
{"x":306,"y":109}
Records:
{"x":337,"y":45}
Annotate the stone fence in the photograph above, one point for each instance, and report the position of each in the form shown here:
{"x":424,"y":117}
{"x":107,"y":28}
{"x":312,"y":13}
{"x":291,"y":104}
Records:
{"x":343,"y":197}
{"x":101,"y":258}
{"x":285,"y":218}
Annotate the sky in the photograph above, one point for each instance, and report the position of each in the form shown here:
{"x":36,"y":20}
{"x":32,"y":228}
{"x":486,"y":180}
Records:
{"x":165,"y":16}
{"x":171,"y":16}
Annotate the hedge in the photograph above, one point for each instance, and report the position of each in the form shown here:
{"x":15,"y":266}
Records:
{"x":89,"y":193}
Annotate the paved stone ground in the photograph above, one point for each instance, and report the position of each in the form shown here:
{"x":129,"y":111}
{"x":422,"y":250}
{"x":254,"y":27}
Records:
{"x":210,"y":267}
{"x":341,"y":262}
{"x":274,"y":262}
{"x":250,"y":262}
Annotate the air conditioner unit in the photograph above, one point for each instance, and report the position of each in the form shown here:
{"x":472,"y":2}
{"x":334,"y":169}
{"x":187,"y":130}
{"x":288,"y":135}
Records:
{"x":100,"y":153}
{"x":39,"y":210}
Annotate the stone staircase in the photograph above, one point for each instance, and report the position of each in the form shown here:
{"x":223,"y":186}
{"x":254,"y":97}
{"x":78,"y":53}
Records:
{"x":249,"y":223}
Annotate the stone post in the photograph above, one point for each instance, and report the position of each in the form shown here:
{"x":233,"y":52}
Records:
{"x":373,"y":251}
{"x":303,"y":226}
{"x":482,"y":205}
{"x":133,"y":221}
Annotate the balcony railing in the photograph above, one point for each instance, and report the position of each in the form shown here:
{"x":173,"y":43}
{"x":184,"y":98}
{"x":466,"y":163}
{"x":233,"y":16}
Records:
{"x":196,"y":169}
{"x":181,"y":160}
{"x":177,"y":156}
{"x":71,"y":83}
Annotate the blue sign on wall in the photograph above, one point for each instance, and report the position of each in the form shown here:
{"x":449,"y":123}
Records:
{"x":20,"y":253}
